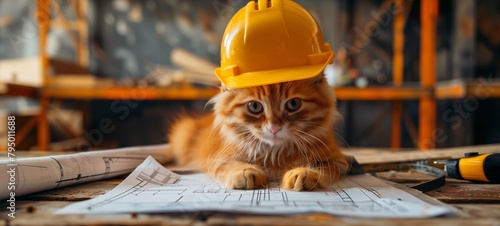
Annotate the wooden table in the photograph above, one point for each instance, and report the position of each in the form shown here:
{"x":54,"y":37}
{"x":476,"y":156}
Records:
{"x":478,"y":204}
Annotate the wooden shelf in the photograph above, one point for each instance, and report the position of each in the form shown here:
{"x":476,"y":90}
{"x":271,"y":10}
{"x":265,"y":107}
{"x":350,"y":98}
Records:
{"x":445,"y":90}
{"x":484,"y":90}
{"x":191,"y":93}
{"x":457,"y":89}
{"x":8,"y":89}
{"x":136,"y":93}
{"x":381,"y":93}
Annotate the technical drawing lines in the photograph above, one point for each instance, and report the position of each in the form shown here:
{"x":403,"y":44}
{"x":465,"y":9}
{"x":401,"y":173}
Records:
{"x":341,"y":193}
{"x":152,"y":188}
{"x":158,"y":178}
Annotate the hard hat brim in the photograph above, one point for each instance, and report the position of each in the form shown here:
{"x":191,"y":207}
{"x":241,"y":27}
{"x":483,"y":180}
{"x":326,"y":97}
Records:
{"x":259,"y":78}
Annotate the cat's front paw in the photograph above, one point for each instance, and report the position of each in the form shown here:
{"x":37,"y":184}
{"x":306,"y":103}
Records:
{"x":302,"y":179}
{"x":249,"y":177}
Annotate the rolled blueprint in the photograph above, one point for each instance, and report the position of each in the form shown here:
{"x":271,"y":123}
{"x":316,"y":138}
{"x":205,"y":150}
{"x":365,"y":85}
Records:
{"x":22,"y":176}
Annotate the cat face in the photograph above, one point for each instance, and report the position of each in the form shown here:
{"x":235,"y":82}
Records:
{"x":278,"y":114}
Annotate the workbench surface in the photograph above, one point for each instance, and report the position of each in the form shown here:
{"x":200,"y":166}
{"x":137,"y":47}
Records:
{"x":478,"y":204}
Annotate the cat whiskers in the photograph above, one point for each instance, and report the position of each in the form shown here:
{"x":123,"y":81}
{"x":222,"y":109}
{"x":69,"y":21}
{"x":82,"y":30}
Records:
{"x":306,"y":144}
{"x":301,"y":145}
{"x":275,"y":155}
{"x":330,"y":130}
{"x":338,"y":166}
{"x":307,"y":137}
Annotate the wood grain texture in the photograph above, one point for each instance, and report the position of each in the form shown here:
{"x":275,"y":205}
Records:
{"x":479,"y":205}
{"x":480,"y":210}
{"x":9,"y":89}
{"x":37,"y":209}
{"x":325,"y":220}
{"x":468,"y":193}
{"x":373,"y":155}
{"x":41,"y":213}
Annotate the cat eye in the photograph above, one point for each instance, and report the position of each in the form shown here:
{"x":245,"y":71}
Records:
{"x":293,"y":104}
{"x":255,"y":107}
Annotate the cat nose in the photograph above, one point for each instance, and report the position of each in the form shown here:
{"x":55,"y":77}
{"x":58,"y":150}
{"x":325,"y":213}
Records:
{"x":274,"y":129}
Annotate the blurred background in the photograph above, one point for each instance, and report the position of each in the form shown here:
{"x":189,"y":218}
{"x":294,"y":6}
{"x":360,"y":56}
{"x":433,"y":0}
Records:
{"x":83,"y":75}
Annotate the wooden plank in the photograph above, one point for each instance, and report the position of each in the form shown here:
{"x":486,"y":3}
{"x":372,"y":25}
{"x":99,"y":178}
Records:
{"x":37,"y":209}
{"x":139,"y":93}
{"x":451,"y":90}
{"x":467,"y":193}
{"x":78,"y":81}
{"x":9,"y":89}
{"x":483,"y":89}
{"x":479,"y":210}
{"x":187,"y":93}
{"x":373,"y":156}
{"x":445,"y":91}
{"x":330,"y":220}
{"x":42,"y":213}
{"x":3,"y":88}
{"x":478,"y":88}
{"x":66,"y":67}
{"x":24,"y":71}
{"x":380,"y":93}
{"x":187,"y":60}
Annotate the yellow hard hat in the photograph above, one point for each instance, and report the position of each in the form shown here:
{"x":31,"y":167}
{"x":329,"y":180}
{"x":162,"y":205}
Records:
{"x":271,"y":41}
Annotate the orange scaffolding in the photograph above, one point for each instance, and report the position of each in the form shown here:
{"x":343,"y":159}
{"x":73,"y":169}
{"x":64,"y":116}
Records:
{"x":49,"y":15}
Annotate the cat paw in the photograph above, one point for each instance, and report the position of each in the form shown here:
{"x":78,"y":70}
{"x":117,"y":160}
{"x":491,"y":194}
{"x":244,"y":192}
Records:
{"x":302,"y":179}
{"x":247,"y":178}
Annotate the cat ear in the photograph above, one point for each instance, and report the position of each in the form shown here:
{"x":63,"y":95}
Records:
{"x":319,"y":79}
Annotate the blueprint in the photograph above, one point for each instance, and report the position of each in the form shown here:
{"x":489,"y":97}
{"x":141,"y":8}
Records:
{"x":153,"y":188}
{"x":36,"y":174}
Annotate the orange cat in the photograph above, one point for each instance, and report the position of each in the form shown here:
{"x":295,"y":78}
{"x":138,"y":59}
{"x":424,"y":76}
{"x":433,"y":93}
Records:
{"x":278,"y":132}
